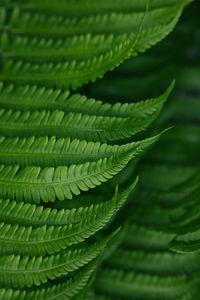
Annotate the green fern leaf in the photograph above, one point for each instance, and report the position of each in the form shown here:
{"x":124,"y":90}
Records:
{"x":42,"y":24}
{"x":19,"y":271}
{"x":30,"y":214}
{"x":50,"y":239}
{"x":35,"y":184}
{"x":66,"y":74}
{"x":33,"y":98}
{"x":74,"y":125}
{"x":52,"y":50}
{"x":44,"y":151}
{"x":54,"y":145}
{"x":64,"y":290}
{"x":157,"y":24}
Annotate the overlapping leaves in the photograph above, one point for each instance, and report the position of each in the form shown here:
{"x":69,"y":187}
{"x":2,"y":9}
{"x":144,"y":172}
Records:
{"x":54,"y":144}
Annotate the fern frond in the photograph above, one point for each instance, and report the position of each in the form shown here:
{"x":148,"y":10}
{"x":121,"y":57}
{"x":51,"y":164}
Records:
{"x":54,"y":50}
{"x":67,"y":289}
{"x":50,"y":238}
{"x":34,"y":98}
{"x":74,"y":125}
{"x":157,"y":263}
{"x":66,"y":74}
{"x":23,"y":271}
{"x":44,"y":151}
{"x":35,"y":184}
{"x":77,"y":73}
{"x":51,"y":148}
{"x":30,"y":214}
{"x":126,"y":284}
{"x":79,"y":47}
{"x":116,"y":23}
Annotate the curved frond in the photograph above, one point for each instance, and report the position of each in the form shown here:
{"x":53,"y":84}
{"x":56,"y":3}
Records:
{"x":121,"y":32}
{"x":74,"y":125}
{"x":44,"y":151}
{"x":30,"y":98}
{"x":38,"y":24}
{"x":29,"y":214}
{"x":54,"y":145}
{"x":67,"y":289}
{"x":43,"y":50}
{"x":51,"y":238}
{"x":47,"y":184}
{"x":67,"y":74}
{"x":19,"y":271}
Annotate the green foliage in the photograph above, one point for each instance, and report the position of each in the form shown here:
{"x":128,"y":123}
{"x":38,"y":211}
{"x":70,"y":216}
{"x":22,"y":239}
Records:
{"x":30,"y":98}
{"x":32,"y":35}
{"x":158,"y":255}
{"x":48,"y":239}
{"x":127,"y":284}
{"x":69,"y":288}
{"x":56,"y":144}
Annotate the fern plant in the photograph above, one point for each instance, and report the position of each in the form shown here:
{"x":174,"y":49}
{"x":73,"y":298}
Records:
{"x":56,"y":145}
{"x":158,"y":256}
